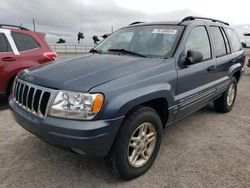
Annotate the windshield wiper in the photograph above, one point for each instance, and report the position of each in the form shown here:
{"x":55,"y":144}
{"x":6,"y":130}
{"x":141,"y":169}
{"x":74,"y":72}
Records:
{"x":93,"y":50}
{"x":126,"y":51}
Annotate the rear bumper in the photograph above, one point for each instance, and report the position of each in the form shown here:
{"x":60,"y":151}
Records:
{"x":93,"y":138}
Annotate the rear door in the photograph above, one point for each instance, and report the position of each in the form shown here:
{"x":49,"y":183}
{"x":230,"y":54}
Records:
{"x":229,"y":54}
{"x":237,"y":56}
{"x":196,"y":82}
{"x":9,"y":59}
{"x":223,"y":56}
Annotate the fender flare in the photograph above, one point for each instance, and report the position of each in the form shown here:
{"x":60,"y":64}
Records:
{"x":235,"y":68}
{"x":122,"y":104}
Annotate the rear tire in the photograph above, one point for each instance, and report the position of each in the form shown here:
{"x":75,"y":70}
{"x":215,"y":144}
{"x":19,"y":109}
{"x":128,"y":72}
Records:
{"x":225,"y":103}
{"x":137,"y":144}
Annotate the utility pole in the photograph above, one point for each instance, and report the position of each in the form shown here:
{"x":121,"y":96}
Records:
{"x":34,"y":25}
{"x":81,"y":22}
{"x":81,"y":18}
{"x":112,"y":29}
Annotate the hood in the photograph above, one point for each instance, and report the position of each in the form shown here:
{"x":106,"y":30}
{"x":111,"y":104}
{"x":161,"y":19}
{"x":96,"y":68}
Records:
{"x":86,"y":72}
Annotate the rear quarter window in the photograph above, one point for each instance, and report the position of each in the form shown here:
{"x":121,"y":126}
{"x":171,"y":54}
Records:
{"x":234,"y":39}
{"x":24,"y":42}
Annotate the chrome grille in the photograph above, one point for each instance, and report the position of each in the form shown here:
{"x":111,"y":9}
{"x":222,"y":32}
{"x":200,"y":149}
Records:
{"x":31,"y":97}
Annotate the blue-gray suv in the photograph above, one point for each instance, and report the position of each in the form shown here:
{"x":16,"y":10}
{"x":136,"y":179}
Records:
{"x":114,"y":101}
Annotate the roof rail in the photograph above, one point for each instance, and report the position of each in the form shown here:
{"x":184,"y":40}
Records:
{"x":188,"y":18}
{"x":134,"y":23}
{"x":14,"y":26}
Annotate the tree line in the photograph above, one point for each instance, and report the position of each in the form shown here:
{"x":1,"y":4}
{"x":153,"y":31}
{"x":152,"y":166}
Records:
{"x":80,"y":36}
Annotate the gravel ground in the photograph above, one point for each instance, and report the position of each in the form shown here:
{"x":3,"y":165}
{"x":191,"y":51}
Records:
{"x":206,"y":149}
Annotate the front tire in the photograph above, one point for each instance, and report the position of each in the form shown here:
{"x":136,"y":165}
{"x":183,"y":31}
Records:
{"x":225,"y":103}
{"x":137,"y":144}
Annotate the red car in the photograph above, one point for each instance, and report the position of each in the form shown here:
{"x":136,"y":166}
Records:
{"x":20,"y":48}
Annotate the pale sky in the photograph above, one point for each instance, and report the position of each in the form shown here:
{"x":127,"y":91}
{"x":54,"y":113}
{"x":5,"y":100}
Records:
{"x":61,"y":18}
{"x":236,"y":12}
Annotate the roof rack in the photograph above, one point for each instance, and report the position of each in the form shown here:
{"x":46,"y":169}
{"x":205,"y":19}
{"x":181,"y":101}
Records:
{"x":134,"y":23}
{"x":202,"y":18}
{"x":14,"y":26}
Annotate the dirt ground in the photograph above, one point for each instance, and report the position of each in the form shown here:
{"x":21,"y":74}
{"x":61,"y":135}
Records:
{"x":206,"y":149}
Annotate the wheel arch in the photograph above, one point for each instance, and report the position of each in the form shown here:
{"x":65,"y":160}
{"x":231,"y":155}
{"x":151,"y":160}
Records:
{"x":160,"y":105}
{"x":237,"y":75}
{"x":235,"y":71}
{"x":159,"y":97}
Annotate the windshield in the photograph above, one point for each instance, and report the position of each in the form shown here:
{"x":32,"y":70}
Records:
{"x":154,"y":40}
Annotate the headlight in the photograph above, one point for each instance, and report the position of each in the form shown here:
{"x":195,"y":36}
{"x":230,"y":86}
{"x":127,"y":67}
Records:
{"x":76,"y":105}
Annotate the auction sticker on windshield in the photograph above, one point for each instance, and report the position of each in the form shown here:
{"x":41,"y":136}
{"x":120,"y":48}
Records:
{"x":165,"y":31}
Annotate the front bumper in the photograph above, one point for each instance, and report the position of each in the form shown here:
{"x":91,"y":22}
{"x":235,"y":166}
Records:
{"x":93,"y":138}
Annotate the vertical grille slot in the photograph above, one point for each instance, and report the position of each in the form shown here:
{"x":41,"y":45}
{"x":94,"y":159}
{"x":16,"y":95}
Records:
{"x":20,"y":94}
{"x":44,"y":101}
{"x":16,"y":90}
{"x":36,"y":100}
{"x":32,"y":98}
{"x":25,"y":92}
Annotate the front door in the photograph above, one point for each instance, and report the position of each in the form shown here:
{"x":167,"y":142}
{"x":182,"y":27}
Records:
{"x":195,"y":82}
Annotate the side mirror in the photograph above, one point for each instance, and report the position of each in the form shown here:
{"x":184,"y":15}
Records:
{"x":193,"y":57}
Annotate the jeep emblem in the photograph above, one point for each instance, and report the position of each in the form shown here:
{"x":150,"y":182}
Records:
{"x":30,"y":78}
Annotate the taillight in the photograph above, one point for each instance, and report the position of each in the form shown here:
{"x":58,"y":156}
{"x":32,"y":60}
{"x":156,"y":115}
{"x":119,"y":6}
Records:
{"x":50,"y":55}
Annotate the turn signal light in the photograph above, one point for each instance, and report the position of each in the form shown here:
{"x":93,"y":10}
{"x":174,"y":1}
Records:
{"x":97,"y":105}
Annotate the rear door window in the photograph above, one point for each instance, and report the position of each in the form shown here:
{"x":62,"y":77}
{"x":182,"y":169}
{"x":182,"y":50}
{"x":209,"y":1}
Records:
{"x":234,"y":39}
{"x":24,"y":42}
{"x":226,"y":40}
{"x":4,"y":44}
{"x":219,"y":43}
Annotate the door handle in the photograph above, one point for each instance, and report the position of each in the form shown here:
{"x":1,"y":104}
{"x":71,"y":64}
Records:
{"x":211,"y":68}
{"x":8,"y":59}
